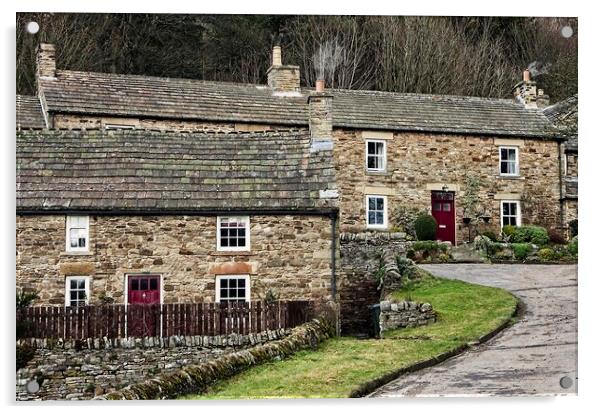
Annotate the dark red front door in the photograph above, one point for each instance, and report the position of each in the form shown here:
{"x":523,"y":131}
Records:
{"x":144,"y":298}
{"x":442,"y":206}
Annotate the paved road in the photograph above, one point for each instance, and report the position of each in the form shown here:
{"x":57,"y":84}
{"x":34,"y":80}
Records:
{"x":530,"y":357}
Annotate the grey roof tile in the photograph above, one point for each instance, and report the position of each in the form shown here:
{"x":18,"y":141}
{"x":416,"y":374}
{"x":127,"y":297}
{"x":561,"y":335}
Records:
{"x":143,"y":170}
{"x":154,"y":97}
{"x":29,"y":112}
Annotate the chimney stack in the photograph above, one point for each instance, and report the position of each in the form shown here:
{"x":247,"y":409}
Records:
{"x":527,"y":93}
{"x":283,"y":79}
{"x":320,"y":117}
{"x":45,"y":61}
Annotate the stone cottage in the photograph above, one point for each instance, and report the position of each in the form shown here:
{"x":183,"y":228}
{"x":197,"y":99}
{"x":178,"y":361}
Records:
{"x":389,"y":151}
{"x":150,"y":217}
{"x":565,"y":115}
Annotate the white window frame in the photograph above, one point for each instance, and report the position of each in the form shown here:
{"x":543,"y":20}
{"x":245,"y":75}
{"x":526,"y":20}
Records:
{"x":219,"y":278}
{"x":376,"y":141}
{"x":68,"y":226}
{"x":518,"y":212}
{"x":385,"y":224}
{"x":68,"y":280}
{"x":247,"y":246}
{"x":516,"y":149}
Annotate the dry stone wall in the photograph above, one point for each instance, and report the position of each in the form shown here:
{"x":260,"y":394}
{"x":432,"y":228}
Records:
{"x":71,"y":371}
{"x":405,"y":314}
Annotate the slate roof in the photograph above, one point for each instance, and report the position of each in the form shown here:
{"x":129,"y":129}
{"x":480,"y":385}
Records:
{"x":29,"y":112}
{"x":145,"y":96}
{"x":148,"y":171}
{"x":565,"y":116}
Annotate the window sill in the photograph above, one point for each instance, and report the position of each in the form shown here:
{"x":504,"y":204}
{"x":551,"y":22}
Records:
{"x":511,"y":177}
{"x":232,"y":253}
{"x":77,"y":254}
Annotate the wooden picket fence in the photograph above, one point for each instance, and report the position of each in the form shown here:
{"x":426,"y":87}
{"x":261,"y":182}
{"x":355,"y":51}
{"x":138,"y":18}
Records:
{"x":181,"y":319}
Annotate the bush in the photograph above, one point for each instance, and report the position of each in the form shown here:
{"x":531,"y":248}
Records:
{"x":490,"y":235}
{"x":573,"y":247}
{"x":24,"y":354}
{"x":509,"y":231}
{"x":556,"y":237}
{"x":429,"y":246}
{"x":547,"y":255}
{"x":426,"y":227}
{"x":486,"y":246}
{"x":530,"y":234}
{"x":407,"y":268}
{"x":404,"y":218}
{"x":573,"y":225}
{"x":521,"y":250}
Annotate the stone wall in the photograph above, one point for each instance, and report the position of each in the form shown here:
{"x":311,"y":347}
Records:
{"x":405,"y":314}
{"x":360,"y":259}
{"x":420,"y":162}
{"x":289,"y":255}
{"x":82,"y":372}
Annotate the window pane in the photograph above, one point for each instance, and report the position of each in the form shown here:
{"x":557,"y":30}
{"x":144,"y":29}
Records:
{"x":154,"y":284}
{"x":81,"y":284}
{"x":371,"y":162}
{"x":223,"y":293}
{"x":380,"y":204}
{"x":135,"y":284}
{"x":223,"y":283}
{"x":241,"y":293}
{"x":143,"y":284}
{"x":223,"y":233}
{"x":371,"y":148}
{"x":505,"y":209}
{"x":380,"y":218}
{"x":504,"y":167}
{"x":511,"y":168}
{"x":241,"y":242}
{"x":371,"y":217}
{"x":242,"y":283}
{"x":446,"y":207}
{"x":511,"y":155}
{"x":73,"y":295}
{"x":371,"y":203}
{"x":380,"y":148}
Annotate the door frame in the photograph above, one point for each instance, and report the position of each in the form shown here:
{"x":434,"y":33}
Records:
{"x":454,"y":215}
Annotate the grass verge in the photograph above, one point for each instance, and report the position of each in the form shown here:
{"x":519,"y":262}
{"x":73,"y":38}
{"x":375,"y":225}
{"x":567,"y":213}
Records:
{"x":340,"y":366}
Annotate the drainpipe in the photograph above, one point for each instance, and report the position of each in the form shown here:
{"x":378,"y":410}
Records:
{"x":561,"y":186}
{"x":333,"y":256}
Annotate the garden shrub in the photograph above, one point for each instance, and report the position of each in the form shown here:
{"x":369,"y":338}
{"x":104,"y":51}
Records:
{"x":429,"y":246}
{"x":24,"y":354}
{"x":556,"y":237}
{"x":521,"y":250}
{"x":490,"y":235}
{"x":573,"y":247}
{"x":426,"y":227}
{"x":407,"y":268}
{"x":403,"y":218}
{"x":547,"y":255}
{"x":573,"y":225}
{"x":509,"y":231}
{"x":530,"y":234}
{"x":486,"y":246}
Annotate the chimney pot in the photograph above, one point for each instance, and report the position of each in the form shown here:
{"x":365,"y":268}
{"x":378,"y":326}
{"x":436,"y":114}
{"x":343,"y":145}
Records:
{"x":526,"y":75}
{"x":320,"y":85}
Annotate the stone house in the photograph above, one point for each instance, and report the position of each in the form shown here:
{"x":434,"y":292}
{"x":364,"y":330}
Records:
{"x":146,"y":217}
{"x":565,"y":116}
{"x":388,"y":151}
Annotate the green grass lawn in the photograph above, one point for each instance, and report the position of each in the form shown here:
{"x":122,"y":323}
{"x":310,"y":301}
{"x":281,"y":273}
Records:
{"x":340,"y":365}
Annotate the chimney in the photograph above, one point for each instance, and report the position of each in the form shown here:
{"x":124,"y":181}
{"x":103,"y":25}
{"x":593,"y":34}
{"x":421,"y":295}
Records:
{"x":283,"y":79}
{"x":45,"y":61}
{"x":527,"y":93}
{"x":320,"y":119}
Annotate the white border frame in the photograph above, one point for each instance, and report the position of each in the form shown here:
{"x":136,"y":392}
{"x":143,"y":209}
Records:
{"x":385,"y":224}
{"x":247,"y":283}
{"x":381,"y":141}
{"x":499,"y":167}
{"x":247,"y":248}
{"x":68,"y":279}
{"x":68,"y":247}
{"x":519,"y":216}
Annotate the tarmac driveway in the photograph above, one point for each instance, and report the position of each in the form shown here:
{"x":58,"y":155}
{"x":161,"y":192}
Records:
{"x":529,"y":358}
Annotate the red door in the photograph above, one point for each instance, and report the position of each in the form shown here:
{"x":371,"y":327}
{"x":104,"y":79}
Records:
{"x":442,"y":206}
{"x":144,"y":301}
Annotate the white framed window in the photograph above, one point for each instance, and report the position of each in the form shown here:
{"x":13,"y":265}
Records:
{"x":376,"y":212}
{"x":78,"y":233}
{"x":509,"y":161}
{"x":376,"y":155}
{"x":77,"y":290}
{"x":232,"y":288}
{"x":510,"y":213}
{"x":233,"y":233}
